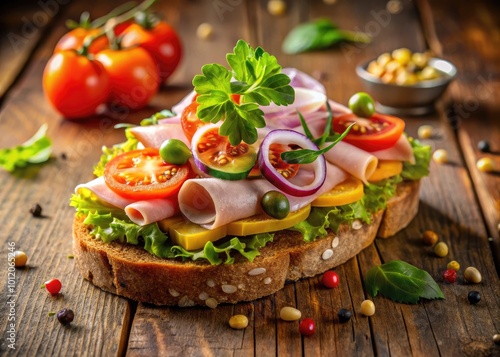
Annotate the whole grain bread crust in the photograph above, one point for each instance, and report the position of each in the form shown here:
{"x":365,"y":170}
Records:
{"x":129,"y":271}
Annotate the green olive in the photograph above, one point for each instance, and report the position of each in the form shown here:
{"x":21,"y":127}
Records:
{"x":362,"y":105}
{"x":275,"y":204}
{"x":175,"y":152}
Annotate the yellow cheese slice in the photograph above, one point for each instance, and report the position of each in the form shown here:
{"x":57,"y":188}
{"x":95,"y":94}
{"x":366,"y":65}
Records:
{"x":263,"y":223}
{"x":386,"y":169}
{"x":348,"y":191}
{"x":192,"y":236}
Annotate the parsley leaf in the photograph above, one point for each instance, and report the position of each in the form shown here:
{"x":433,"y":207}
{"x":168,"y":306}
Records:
{"x":256,"y":76}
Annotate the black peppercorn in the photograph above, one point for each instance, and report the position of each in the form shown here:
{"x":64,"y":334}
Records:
{"x":65,"y":316}
{"x":36,"y":210}
{"x":344,"y":315}
{"x":483,"y":146}
{"x":474,"y":297}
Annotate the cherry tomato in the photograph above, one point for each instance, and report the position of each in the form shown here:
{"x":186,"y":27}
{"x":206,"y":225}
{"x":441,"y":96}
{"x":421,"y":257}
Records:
{"x":133,"y":76}
{"x":75,"y":85}
{"x":190,"y":121}
{"x":161,"y":40}
{"x":307,"y":327}
{"x":53,"y":286}
{"x":73,"y":40}
{"x":330,"y":279}
{"x":375,"y":133}
{"x":142,"y":174}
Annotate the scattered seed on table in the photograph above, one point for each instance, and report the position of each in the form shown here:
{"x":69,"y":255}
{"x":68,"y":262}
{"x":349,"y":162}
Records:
{"x":204,"y":31}
{"x":485,"y":164}
{"x":36,"y":210}
{"x":441,"y":249}
{"x":496,"y":339}
{"x":450,"y":276}
{"x":483,"y":146}
{"x":429,"y":237}
{"x":344,"y":315}
{"x":65,"y":316}
{"x":238,"y":322}
{"x":307,"y":327}
{"x":276,"y":7}
{"x":474,"y":297}
{"x":454,"y":265}
{"x":20,"y":258}
{"x":440,"y":156}
{"x":425,"y":132}
{"x":289,"y":313}
{"x":472,"y":275}
{"x":367,"y":308}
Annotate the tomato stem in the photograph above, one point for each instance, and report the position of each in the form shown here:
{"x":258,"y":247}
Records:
{"x":101,"y":21}
{"x":112,"y":22}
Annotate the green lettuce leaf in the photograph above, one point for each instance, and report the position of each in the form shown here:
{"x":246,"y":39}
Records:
{"x":422,"y":155}
{"x":110,"y":224}
{"x":34,"y":151}
{"x":401,"y":282}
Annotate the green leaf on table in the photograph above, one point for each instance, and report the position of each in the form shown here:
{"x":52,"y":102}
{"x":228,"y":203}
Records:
{"x":319,"y":34}
{"x":34,"y":151}
{"x":401,"y":282}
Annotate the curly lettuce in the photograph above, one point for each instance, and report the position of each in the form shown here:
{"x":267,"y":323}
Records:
{"x":110,"y":224}
{"x":420,"y":168}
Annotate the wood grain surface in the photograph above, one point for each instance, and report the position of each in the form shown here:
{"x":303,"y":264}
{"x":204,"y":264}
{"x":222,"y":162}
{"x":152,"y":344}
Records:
{"x":457,"y":201}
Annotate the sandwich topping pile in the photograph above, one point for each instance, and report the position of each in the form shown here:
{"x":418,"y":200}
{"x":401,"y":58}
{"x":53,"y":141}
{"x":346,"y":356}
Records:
{"x":255,"y":154}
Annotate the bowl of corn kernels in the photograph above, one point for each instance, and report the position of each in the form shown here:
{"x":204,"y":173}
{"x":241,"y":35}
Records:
{"x":406,"y":82}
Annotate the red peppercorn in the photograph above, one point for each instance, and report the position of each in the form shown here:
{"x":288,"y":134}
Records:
{"x":330,"y":279}
{"x":53,"y":286}
{"x":450,"y":276}
{"x":307,"y":327}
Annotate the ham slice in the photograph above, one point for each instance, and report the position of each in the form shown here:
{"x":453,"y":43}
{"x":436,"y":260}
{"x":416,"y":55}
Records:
{"x":357,"y":162}
{"x":140,"y":212}
{"x":401,"y":151}
{"x":152,"y":136}
{"x":212,"y":202}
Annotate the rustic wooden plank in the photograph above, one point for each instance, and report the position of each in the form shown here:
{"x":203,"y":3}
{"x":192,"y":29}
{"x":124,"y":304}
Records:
{"x":23,"y":23}
{"x":102,"y":320}
{"x":469,"y":44}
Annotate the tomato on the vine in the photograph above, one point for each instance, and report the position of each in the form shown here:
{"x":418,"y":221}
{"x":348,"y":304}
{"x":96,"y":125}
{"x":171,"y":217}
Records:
{"x":74,"y":84}
{"x":133,"y":76}
{"x":142,"y":174}
{"x":159,"y":39}
{"x":371,"y":134}
{"x":74,"y":39}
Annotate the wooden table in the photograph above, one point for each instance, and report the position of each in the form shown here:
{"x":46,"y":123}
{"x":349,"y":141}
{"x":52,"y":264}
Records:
{"x":458,"y":202}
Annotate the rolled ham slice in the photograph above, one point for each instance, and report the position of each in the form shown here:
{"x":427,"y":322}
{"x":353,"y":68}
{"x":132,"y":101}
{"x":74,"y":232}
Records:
{"x":140,"y":212}
{"x":357,"y":162}
{"x":299,"y":79}
{"x":152,"y":136}
{"x":401,"y":151}
{"x":212,"y":202}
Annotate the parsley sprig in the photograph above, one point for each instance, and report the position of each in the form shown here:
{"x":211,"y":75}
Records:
{"x":307,"y":156}
{"x":256,"y":76}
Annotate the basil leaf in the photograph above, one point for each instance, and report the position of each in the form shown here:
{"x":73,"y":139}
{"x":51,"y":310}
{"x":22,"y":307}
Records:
{"x":318,"y":34}
{"x":401,"y":282}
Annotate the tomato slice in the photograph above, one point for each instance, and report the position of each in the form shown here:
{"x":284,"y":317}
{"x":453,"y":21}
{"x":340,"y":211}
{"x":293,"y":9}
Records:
{"x":142,"y":174}
{"x":370,"y":134}
{"x":190,"y":121}
{"x":285,"y":169}
{"x":215,"y":156}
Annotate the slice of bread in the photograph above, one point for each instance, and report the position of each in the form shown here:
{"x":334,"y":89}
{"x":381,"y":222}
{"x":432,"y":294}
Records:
{"x":130,"y":271}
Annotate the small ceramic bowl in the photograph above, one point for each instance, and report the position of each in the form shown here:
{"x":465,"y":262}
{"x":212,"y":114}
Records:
{"x":416,"y":99}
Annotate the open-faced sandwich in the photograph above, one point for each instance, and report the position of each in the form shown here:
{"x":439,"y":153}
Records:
{"x":254,"y":179}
